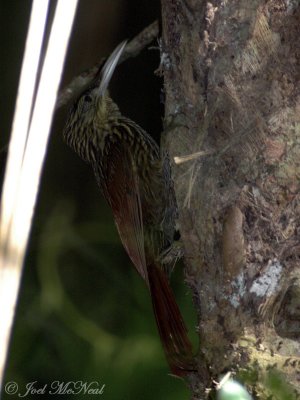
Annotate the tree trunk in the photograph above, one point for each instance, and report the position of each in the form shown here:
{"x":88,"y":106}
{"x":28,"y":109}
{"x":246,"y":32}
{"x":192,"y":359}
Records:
{"x":231,"y":74}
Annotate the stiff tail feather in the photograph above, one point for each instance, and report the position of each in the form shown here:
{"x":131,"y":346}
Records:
{"x":171,"y":327}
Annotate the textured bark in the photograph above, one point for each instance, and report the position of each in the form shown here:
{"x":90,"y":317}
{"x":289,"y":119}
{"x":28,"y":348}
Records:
{"x":231,"y":73}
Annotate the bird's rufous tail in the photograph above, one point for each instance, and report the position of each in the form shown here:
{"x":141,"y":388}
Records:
{"x":171,"y":327}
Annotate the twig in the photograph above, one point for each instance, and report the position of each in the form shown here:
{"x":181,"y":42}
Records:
{"x":189,"y":157}
{"x":132,"y":49}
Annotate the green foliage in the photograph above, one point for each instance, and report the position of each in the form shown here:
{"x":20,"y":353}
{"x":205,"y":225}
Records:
{"x":278,"y":386}
{"x":270,"y":386}
{"x":85,"y":315}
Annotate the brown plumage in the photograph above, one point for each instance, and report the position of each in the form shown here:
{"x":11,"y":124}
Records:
{"x":135,"y":180}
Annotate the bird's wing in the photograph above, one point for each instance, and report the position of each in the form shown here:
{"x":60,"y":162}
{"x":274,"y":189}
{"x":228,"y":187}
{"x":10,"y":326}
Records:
{"x":122,"y":192}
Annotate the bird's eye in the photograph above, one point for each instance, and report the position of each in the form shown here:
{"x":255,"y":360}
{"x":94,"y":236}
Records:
{"x":88,"y":98}
{"x":86,"y":103}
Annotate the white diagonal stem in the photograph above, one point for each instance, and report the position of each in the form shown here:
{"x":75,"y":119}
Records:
{"x":16,"y":217}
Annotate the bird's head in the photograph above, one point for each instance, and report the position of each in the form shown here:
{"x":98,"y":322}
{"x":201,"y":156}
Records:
{"x":93,"y":113}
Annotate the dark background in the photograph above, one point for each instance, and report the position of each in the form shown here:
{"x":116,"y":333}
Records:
{"x":83,"y":312}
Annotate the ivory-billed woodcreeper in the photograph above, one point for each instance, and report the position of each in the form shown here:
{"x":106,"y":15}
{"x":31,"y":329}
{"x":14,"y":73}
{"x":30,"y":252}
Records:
{"x":136,"y":182}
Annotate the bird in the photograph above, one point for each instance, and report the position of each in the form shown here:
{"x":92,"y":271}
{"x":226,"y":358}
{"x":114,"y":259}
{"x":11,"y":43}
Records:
{"x":134,"y":176}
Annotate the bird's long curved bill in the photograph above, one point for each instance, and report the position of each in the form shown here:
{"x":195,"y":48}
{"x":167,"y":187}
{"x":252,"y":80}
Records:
{"x":109,"y":67}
